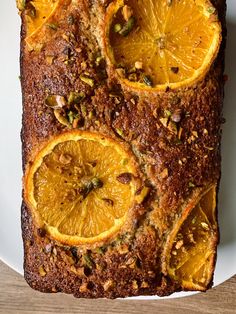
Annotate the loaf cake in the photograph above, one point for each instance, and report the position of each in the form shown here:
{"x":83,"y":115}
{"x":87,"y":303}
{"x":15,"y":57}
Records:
{"x":121,"y":131}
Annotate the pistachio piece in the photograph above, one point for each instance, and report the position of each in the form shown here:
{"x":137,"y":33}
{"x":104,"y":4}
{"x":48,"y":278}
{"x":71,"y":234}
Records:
{"x":87,"y":80}
{"x":191,"y":184}
{"x":55,"y":101}
{"x":71,"y":116}
{"x":211,"y":10}
{"x":52,"y":26}
{"x":75,"y":98}
{"x":61,"y":118}
{"x":147,"y":80}
{"x":97,"y":183}
{"x":117,"y":28}
{"x":128,"y":27}
{"x":87,"y":260}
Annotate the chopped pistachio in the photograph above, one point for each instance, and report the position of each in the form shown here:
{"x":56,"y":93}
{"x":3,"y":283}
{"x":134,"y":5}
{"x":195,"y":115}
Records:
{"x":87,"y":260}
{"x":53,"y":26}
{"x":100,"y":250}
{"x":83,"y":110}
{"x":191,"y":184}
{"x":120,"y":132}
{"x":211,"y":10}
{"x":117,"y":28}
{"x":172,"y":127}
{"x":124,"y":161}
{"x":164,"y":121}
{"x":99,"y":60}
{"x":71,"y":116}
{"x":55,"y":101}
{"x":147,"y":80}
{"x":87,"y":80}
{"x":71,"y":19}
{"x":167,"y":113}
{"x":61,"y":118}
{"x":97,"y":183}
{"x":128,"y":27}
{"x":91,"y":115}
{"x":195,"y":134}
{"x":75,"y":98}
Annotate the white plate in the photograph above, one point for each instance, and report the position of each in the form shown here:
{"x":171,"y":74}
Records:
{"x":11,"y":251}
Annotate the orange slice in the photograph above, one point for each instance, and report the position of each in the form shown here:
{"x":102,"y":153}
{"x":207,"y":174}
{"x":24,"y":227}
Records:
{"x":155,"y":44}
{"x":81,"y":187}
{"x":190,"y":249}
{"x":42,"y":17}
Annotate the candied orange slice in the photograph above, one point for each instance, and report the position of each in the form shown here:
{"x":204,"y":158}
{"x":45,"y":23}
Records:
{"x":191,"y":246}
{"x":41,"y":16}
{"x":155,"y":44}
{"x":81,"y":187}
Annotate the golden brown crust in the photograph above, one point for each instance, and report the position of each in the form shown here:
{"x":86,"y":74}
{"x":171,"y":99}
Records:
{"x":130,"y":265}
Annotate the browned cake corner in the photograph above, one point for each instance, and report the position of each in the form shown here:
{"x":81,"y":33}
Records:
{"x":172,"y":136}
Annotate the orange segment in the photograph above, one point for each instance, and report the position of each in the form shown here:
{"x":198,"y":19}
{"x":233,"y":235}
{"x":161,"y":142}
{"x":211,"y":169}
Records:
{"x":190,"y":251}
{"x":175,"y":41}
{"x":81,"y":187}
